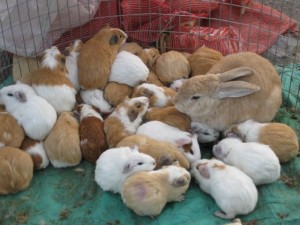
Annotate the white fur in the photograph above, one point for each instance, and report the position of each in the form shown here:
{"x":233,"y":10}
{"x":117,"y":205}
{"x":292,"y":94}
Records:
{"x":61,"y":164}
{"x":49,"y":60}
{"x":36,"y":115}
{"x":175,"y":172}
{"x":257,"y":160}
{"x":109,"y":174}
{"x":95,"y":98}
{"x":71,"y":65}
{"x":249,"y":130}
{"x":88,"y":111}
{"x":233,"y":191}
{"x":38,"y":149}
{"x":176,"y":84}
{"x":162,"y":99}
{"x":128,"y":69}
{"x":205,"y":133}
{"x":61,"y":97}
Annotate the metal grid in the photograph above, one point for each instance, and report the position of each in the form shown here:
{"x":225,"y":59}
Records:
{"x":285,"y":51}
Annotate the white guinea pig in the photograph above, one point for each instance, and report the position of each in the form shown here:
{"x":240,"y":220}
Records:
{"x":233,"y":191}
{"x":116,"y":164}
{"x":176,"y":84}
{"x":32,"y":112}
{"x":185,"y":141}
{"x":205,"y":133}
{"x":257,"y":160}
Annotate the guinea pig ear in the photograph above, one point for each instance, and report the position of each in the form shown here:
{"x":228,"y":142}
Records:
{"x":114,"y":39}
{"x":165,"y":160}
{"x":176,"y":163}
{"x":147,"y":93}
{"x":132,"y":114}
{"x":183,"y":141}
{"x":179,"y":182}
{"x":20,"y":96}
{"x":203,"y":170}
{"x":127,"y":168}
{"x":235,"y":89}
{"x":217,"y":150}
{"x":134,"y":148}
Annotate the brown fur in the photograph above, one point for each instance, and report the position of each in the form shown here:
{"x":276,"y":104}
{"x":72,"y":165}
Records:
{"x":115,"y":93}
{"x":96,"y":58}
{"x":171,"y":66}
{"x":163,"y":152}
{"x":11,"y":133}
{"x":72,"y":48}
{"x":152,"y":55}
{"x":153,"y":79}
{"x":16,"y":170}
{"x":63,"y":143}
{"x":135,"y":49}
{"x":202,"y":60}
{"x":169,"y":115}
{"x":282,"y":139}
{"x":186,"y":54}
{"x":92,"y":130}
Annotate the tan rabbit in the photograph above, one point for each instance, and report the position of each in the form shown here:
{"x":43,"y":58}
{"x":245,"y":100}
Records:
{"x":97,"y":56}
{"x":241,"y":86}
{"x":16,"y":170}
{"x":202,"y":60}
{"x":163,"y":152}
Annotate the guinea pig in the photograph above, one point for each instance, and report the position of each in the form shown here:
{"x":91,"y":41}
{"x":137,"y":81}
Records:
{"x":257,"y":160}
{"x":97,"y":56}
{"x":115,"y":93}
{"x":11,"y":133}
{"x":16,"y":170}
{"x":236,"y":221}
{"x":91,"y":132}
{"x":125,"y":119}
{"x":37,"y":152}
{"x":51,"y":81}
{"x":171,"y":66}
{"x":205,"y":133}
{"x":63,"y":143}
{"x":135,"y":49}
{"x":185,"y":141}
{"x":152,"y":55}
{"x":95,"y":97}
{"x":281,"y":138}
{"x":128,"y":69}
{"x":32,"y":112}
{"x":169,"y":115}
{"x":233,"y":191}
{"x":176,"y":84}
{"x":186,"y":54}
{"x":202,"y":60}
{"x":163,"y":152}
{"x":116,"y":164}
{"x":158,"y":96}
{"x":71,"y":62}
{"x":153,"y":79}
{"x":147,"y":193}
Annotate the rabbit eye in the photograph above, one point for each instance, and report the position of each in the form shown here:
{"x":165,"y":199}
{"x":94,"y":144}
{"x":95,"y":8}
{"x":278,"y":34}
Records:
{"x":10,"y":94}
{"x":195,"y":97}
{"x":140,"y":163}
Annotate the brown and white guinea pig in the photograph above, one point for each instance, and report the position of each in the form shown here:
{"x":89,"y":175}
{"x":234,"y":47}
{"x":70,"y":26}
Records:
{"x":233,"y":191}
{"x":202,"y":60}
{"x":97,"y":56}
{"x":171,"y":66}
{"x":63,"y":143}
{"x":11,"y":133}
{"x":125,"y":119}
{"x":281,"y":138}
{"x":115,"y":93}
{"x":37,"y":152}
{"x":16,"y":170}
{"x":147,"y":193}
{"x":152,"y":55}
{"x":135,"y":49}
{"x":205,"y":133}
{"x":50,"y":81}
{"x":169,"y":115}
{"x":91,"y":131}
{"x":257,"y":160}
{"x":158,"y":96}
{"x":153,"y":79}
{"x":163,"y":152}
{"x":176,"y":84}
{"x":71,"y":62}
{"x":116,"y":164}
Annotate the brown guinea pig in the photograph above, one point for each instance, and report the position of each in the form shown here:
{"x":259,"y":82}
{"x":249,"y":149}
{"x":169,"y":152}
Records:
{"x":186,"y":54}
{"x":11,"y":133}
{"x":203,"y":59}
{"x":115,"y":93}
{"x":164,"y":153}
{"x":97,"y":56}
{"x":152,"y":55}
{"x":171,"y":66}
{"x":135,"y":49}
{"x":153,"y":79}
{"x":91,"y":131}
{"x":63,"y":144}
{"x":169,"y":115}
{"x":16,"y":170}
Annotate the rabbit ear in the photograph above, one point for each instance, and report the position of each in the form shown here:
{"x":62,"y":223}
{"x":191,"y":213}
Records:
{"x":20,"y":96}
{"x":235,"y":89}
{"x":235,"y":73}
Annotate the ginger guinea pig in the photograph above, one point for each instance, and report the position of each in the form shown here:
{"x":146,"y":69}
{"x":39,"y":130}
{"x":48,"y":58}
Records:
{"x":97,"y":56}
{"x":233,"y":191}
{"x":16,"y":170}
{"x":115,"y":93}
{"x":63,"y":143}
{"x":135,"y":49}
{"x":125,"y":119}
{"x":147,"y":193}
{"x":281,"y":138}
{"x":152,"y":55}
{"x":153,"y":79}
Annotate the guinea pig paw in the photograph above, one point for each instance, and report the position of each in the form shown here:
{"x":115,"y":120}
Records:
{"x":223,"y":215}
{"x":180,"y":198}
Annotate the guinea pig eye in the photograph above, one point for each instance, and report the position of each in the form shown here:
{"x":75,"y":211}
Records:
{"x":205,"y":133}
{"x":195,"y":97}
{"x":140,"y":163}
{"x":138,"y":105}
{"x":10,"y":94}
